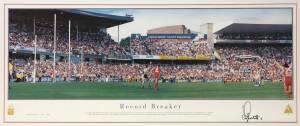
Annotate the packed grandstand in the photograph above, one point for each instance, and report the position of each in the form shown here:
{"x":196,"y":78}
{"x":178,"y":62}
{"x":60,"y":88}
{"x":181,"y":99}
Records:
{"x":237,"y":52}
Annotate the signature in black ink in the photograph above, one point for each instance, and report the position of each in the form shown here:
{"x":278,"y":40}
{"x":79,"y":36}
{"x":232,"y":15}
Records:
{"x":247,"y":113}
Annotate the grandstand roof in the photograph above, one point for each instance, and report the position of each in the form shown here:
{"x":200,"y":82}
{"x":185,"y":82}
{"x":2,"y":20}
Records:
{"x":121,"y":19}
{"x":80,"y":17}
{"x":256,"y":28}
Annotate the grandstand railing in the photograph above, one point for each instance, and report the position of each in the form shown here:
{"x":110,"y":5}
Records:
{"x":119,"y":57}
{"x":29,"y":50}
{"x":165,"y":57}
{"x":252,"y":41}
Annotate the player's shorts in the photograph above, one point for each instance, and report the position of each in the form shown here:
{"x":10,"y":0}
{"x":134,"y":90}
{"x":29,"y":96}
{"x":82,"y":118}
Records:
{"x":288,"y":81}
{"x":145,"y":76}
{"x":156,"y":75}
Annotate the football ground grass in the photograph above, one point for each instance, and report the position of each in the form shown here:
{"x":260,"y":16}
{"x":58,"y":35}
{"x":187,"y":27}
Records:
{"x":125,"y":91}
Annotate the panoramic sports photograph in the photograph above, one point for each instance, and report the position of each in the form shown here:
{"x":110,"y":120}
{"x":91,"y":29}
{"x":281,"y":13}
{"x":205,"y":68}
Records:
{"x":145,"y":54}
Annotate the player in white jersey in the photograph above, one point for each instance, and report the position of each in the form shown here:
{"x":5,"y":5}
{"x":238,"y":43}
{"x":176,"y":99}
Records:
{"x":257,"y":78}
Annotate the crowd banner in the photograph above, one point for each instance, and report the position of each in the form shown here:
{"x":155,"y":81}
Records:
{"x":171,"y":36}
{"x":185,"y":58}
{"x":202,"y":57}
{"x":164,"y":57}
{"x":154,"y":57}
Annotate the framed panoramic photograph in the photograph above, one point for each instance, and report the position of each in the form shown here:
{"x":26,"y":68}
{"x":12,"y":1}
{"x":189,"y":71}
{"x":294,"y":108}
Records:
{"x":149,"y":62}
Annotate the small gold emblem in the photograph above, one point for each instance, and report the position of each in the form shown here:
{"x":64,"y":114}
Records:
{"x":288,"y":109}
{"x":11,"y":110}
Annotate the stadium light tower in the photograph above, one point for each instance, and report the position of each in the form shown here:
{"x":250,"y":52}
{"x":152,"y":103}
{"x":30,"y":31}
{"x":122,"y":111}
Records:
{"x":69,"y":70}
{"x":54,"y":50}
{"x":81,"y":62}
{"x":34,"y":68}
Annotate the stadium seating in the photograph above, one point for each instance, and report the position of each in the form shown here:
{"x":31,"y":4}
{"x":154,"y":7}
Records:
{"x":234,"y":63}
{"x":170,"y":47}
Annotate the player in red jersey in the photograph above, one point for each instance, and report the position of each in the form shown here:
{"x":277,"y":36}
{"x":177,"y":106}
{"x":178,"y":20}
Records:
{"x":287,"y":78}
{"x":156,"y":77}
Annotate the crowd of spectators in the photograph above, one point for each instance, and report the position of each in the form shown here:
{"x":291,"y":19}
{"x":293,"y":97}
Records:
{"x":229,"y":68}
{"x":255,"y":36}
{"x":121,"y":71}
{"x":170,"y":47}
{"x":21,"y":36}
{"x":236,"y":63}
{"x":244,"y":61}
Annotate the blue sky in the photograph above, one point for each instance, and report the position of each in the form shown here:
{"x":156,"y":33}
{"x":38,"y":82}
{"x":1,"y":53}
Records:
{"x":145,"y":19}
